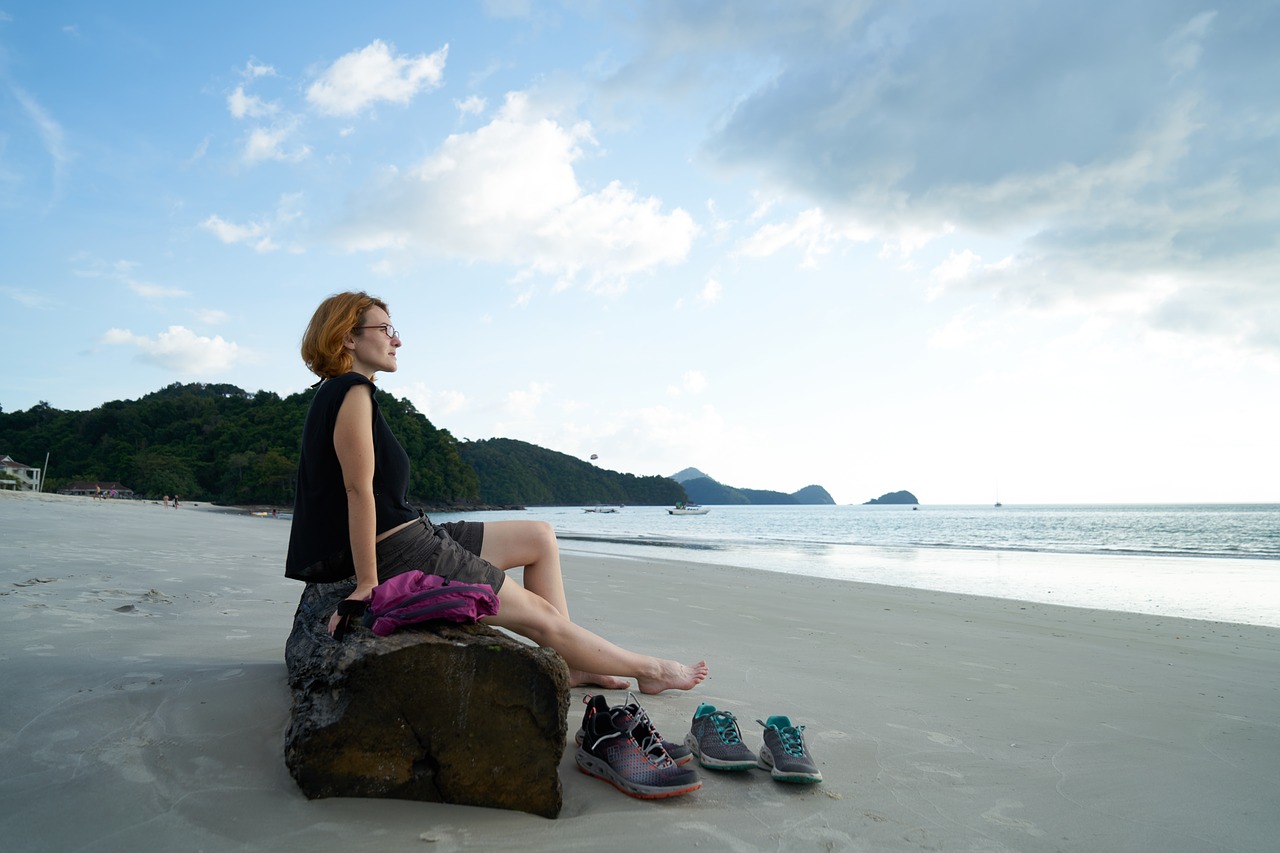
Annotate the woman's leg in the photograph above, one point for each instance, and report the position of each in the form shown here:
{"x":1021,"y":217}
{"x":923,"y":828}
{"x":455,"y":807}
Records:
{"x":532,"y":544}
{"x":534,"y":617}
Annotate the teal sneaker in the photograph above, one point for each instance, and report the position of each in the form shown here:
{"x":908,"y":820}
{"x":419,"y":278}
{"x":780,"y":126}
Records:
{"x":784,"y":753}
{"x":715,"y":739}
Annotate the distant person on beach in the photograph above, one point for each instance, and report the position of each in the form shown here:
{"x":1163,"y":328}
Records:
{"x":175,"y":501}
{"x":352,"y":523}
{"x":166,"y":501}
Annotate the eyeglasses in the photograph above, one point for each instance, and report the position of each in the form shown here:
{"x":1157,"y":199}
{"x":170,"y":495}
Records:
{"x":386,"y":327}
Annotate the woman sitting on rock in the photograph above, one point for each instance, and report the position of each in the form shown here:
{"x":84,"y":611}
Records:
{"x":352,"y":523}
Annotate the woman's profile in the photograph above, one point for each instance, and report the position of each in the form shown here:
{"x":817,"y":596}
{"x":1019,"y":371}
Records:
{"x":352,"y":523}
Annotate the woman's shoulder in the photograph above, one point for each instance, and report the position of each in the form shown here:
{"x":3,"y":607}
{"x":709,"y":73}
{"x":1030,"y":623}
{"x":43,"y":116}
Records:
{"x":333,"y":391}
{"x":344,"y":382}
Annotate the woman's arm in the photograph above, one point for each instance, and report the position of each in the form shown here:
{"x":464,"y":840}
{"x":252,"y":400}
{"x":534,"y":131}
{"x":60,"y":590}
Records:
{"x":353,"y":442}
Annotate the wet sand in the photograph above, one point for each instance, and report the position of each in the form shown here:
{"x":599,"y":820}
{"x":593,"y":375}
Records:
{"x":145,"y":703}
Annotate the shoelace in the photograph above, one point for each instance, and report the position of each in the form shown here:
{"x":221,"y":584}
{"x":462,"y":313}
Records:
{"x":633,"y":717}
{"x":726,"y":726}
{"x":792,"y":740}
{"x":650,"y":742}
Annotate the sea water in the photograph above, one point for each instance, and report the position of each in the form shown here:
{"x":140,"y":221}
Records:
{"x":1217,"y":562}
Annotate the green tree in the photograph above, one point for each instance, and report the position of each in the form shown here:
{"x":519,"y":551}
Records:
{"x":158,"y":473}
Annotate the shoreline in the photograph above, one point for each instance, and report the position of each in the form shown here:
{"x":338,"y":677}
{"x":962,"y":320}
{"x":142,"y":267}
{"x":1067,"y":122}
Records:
{"x":145,"y":657}
{"x":1208,"y":588}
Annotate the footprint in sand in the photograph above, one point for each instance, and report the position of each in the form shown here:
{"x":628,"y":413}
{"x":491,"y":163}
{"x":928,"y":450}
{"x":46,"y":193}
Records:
{"x":937,"y":737}
{"x":996,"y":815}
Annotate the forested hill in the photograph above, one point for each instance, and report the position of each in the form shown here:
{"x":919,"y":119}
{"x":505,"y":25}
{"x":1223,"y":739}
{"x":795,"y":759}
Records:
{"x":517,"y":472}
{"x":704,"y":490}
{"x":221,"y":443}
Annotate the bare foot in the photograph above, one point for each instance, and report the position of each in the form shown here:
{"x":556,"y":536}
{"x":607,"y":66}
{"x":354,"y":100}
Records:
{"x":578,"y":678}
{"x":674,"y":676}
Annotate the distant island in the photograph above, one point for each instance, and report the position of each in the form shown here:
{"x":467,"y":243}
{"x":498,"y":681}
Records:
{"x":704,"y":490}
{"x":903,"y":497}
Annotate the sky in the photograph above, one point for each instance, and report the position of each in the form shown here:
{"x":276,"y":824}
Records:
{"x":1025,"y":251}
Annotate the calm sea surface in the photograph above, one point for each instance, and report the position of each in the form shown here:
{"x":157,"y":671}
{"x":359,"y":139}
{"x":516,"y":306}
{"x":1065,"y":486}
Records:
{"x":1219,"y":562}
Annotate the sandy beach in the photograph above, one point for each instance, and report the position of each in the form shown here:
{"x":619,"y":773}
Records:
{"x":141,"y":650}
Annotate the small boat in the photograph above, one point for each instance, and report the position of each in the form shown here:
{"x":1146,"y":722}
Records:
{"x":688,"y":509}
{"x":600,"y":509}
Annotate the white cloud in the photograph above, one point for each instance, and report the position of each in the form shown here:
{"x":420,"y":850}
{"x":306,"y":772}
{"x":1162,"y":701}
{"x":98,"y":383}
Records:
{"x":372,"y":74}
{"x":51,"y":134}
{"x":179,"y":349}
{"x":508,"y":193}
{"x":269,"y":143}
{"x":197,"y":155}
{"x":211,"y":316}
{"x":434,"y":404}
{"x":253,"y":68}
{"x":1139,"y":152}
{"x":813,"y":232}
{"x":473,"y":105}
{"x":523,"y":403}
{"x":255,"y":234}
{"x":259,"y":234}
{"x":123,"y":272}
{"x":1185,"y":47}
{"x":242,"y":105}
{"x":27,"y":298}
{"x":154,"y":291}
{"x":711,"y":292}
{"x":692,"y":382}
{"x":957,"y":267}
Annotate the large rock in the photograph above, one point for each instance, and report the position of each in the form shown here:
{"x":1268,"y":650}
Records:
{"x":448,"y":714}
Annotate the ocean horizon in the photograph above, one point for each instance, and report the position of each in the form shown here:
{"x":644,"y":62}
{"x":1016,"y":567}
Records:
{"x":1218,"y":562}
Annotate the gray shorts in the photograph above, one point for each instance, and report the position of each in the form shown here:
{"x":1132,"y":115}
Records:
{"x":468,"y":534}
{"x":432,"y":549}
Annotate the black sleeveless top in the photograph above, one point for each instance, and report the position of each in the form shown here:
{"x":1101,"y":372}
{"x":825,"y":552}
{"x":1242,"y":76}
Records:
{"x":320,"y":540}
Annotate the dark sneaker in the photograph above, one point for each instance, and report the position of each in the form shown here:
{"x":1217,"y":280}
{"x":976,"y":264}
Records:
{"x":715,"y":738}
{"x":611,"y":751}
{"x":784,"y":753}
{"x":646,"y":734}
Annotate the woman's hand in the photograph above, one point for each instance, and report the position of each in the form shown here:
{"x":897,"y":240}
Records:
{"x":361,"y":593}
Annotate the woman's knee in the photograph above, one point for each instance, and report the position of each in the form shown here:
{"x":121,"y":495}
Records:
{"x":518,"y":543}
{"x":544,"y":537}
{"x":528,"y":614}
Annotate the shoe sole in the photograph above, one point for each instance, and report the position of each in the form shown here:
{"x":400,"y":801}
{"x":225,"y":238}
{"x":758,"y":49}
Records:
{"x":765,"y":762}
{"x":711,"y":762}
{"x":593,"y":766}
{"x":680,"y":760}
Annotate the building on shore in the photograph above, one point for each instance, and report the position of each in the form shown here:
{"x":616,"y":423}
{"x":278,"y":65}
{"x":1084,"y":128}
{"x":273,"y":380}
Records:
{"x":15,"y":475}
{"x":96,"y":489}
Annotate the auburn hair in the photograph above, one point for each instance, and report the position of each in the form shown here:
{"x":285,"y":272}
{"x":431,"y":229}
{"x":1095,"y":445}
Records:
{"x":323,"y":349}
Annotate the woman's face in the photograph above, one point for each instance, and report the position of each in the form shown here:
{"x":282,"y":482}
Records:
{"x":371,"y":348}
